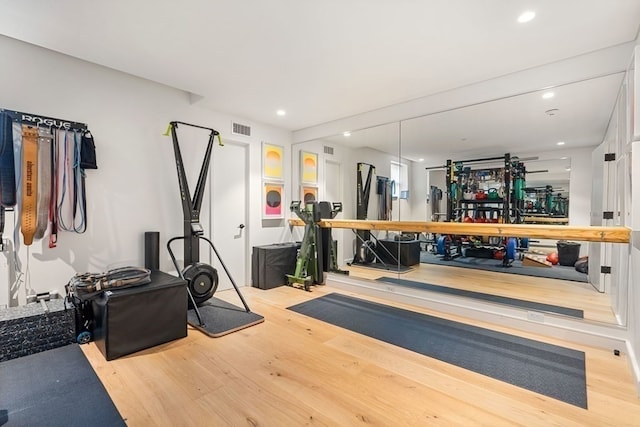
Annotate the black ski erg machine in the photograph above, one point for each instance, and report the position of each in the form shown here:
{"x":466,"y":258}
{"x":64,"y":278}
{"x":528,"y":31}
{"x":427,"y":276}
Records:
{"x":218,"y":318}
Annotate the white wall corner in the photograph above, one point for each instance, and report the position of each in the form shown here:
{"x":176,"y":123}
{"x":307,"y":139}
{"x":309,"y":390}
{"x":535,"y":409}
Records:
{"x":634,"y":363}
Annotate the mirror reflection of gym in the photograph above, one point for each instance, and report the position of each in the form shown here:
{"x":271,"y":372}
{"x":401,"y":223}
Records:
{"x":546,"y":193}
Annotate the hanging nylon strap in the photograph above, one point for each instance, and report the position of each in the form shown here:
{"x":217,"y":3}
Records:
{"x":79,"y":194}
{"x":7,"y":164}
{"x":64,"y":181}
{"x":44,"y":181}
{"x":71,"y":184}
{"x":53,"y":202}
{"x":29,"y":183}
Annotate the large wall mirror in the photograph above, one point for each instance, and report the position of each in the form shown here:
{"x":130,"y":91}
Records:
{"x":552,"y":131}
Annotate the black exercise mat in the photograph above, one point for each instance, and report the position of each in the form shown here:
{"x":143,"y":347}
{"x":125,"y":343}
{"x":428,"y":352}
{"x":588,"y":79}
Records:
{"x":554,"y":371}
{"x":529,"y":305}
{"x":54,"y":388}
{"x":555,"y":272}
{"x":222,"y":318}
{"x":386,"y":267}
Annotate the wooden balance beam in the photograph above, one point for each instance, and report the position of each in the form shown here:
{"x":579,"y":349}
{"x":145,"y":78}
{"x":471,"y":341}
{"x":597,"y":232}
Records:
{"x":544,"y":220}
{"x":557,"y":232}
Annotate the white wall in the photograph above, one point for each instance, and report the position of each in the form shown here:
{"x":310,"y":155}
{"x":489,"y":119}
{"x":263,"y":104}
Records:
{"x":135,"y":188}
{"x":416,"y":208}
{"x":633,"y":316}
{"x":580,"y":187}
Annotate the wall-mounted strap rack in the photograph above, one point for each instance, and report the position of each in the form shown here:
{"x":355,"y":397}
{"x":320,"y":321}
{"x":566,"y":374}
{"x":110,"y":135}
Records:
{"x":36,"y":120}
{"x":74,"y":205}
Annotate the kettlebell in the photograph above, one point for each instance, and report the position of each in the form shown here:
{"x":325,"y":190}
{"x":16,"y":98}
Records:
{"x":493,"y":194}
{"x":481,"y":195}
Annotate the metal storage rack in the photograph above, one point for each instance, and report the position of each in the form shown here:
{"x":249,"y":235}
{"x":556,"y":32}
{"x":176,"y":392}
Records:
{"x":463,"y":178}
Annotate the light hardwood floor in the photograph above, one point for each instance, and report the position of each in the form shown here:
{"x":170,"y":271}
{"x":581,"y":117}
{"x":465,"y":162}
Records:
{"x":293,"y":370}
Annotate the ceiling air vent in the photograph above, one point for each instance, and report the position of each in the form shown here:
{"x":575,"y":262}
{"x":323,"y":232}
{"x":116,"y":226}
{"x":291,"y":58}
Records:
{"x":328,"y":150}
{"x":239,"y":129}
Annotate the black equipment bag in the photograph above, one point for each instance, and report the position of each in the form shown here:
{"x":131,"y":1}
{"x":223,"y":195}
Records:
{"x":88,"y":285}
{"x":88,"y":152}
{"x":479,"y":252}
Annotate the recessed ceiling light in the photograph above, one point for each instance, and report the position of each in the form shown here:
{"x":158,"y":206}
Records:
{"x":568,"y":169}
{"x":347,"y":133}
{"x":560,"y":143}
{"x":548,"y":95}
{"x":421,"y":160}
{"x":526,"y":16}
{"x":281,"y":113}
{"x":563,"y":158}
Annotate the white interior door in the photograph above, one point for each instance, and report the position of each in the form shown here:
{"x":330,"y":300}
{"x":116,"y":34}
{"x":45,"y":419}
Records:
{"x":332,"y":182}
{"x":228,"y":204}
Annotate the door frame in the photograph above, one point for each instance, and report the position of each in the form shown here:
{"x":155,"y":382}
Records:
{"x":343,"y":241}
{"x":246,"y":215}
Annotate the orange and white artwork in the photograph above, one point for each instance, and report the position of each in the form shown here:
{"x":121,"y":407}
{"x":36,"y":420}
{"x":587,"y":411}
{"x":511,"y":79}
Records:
{"x":272,"y":161}
{"x":309,"y":167}
{"x":309,"y":194}
{"x":273,"y":198}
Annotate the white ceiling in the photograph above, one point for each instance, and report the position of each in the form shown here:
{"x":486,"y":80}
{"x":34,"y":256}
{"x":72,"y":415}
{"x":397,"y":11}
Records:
{"x":322,"y":60}
{"x":582,"y":111}
{"x":524,"y":123}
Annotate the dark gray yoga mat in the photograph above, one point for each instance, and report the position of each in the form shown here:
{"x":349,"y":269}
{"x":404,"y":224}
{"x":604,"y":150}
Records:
{"x":554,"y":371}
{"x":54,"y":388}
{"x":396,"y":268}
{"x":555,"y":272}
{"x":529,"y":305}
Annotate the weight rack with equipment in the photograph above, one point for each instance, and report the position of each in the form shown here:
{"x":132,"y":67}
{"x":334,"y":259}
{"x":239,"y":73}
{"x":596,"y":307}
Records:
{"x":464,"y":194}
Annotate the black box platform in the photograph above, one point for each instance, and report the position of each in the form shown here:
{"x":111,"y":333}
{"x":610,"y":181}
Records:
{"x":133,"y":319}
{"x":271,"y":263}
{"x":407,"y":252}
